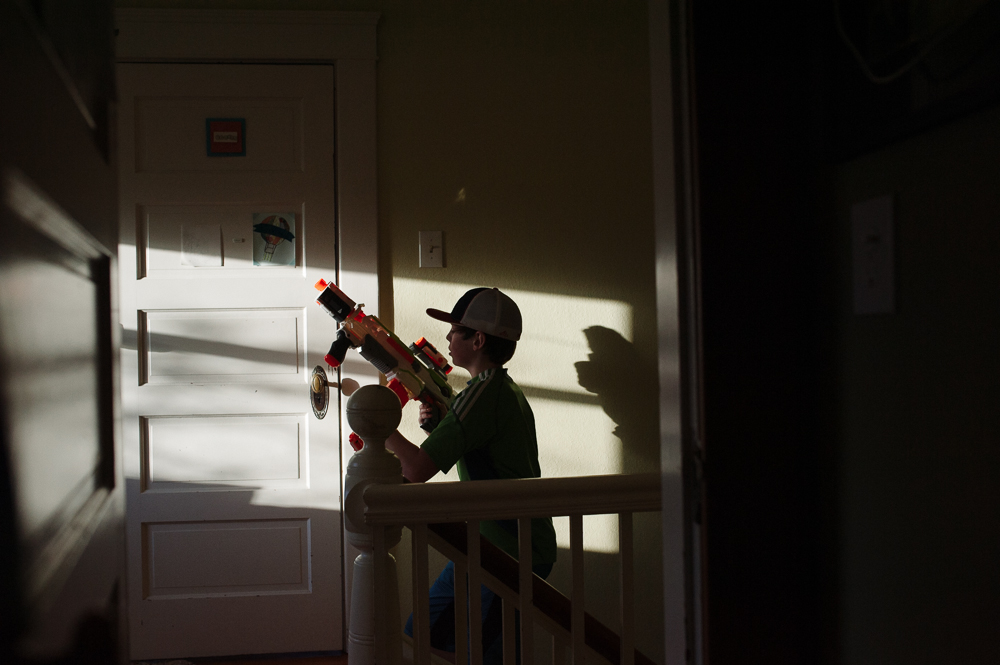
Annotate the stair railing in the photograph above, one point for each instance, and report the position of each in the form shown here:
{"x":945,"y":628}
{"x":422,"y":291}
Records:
{"x":446,"y":516}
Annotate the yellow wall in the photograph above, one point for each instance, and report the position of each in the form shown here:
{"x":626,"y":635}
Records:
{"x":522,"y":131}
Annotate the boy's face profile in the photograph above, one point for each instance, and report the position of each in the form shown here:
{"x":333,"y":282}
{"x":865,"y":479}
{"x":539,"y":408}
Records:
{"x":463,"y":351}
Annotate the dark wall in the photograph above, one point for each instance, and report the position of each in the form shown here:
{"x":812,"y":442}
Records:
{"x":918,"y":461}
{"x":852,"y":462}
{"x":756,"y":83}
{"x":61,"y":490}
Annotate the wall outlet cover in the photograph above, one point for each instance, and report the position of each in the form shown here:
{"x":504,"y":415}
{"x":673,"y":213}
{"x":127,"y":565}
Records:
{"x":873,"y":249}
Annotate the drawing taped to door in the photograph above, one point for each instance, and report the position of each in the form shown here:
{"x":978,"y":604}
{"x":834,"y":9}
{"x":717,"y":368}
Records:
{"x":274,"y":239}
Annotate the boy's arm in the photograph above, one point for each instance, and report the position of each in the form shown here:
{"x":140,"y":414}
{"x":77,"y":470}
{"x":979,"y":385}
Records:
{"x":417,"y":464}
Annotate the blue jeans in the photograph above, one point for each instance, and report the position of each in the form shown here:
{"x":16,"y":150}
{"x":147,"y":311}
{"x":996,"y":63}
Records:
{"x":442,"y":615}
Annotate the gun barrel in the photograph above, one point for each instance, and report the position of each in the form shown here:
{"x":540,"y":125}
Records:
{"x":334,"y":301}
{"x":409,"y":378}
{"x":378,"y":356}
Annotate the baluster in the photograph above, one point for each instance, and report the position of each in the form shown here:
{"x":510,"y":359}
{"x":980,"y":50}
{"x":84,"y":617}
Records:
{"x":379,"y":613}
{"x":558,"y":650}
{"x":421,"y":600}
{"x":577,"y":599}
{"x":626,"y":552}
{"x":475,"y":592}
{"x":526,"y":583}
{"x":509,"y":633}
{"x":387,"y":630}
{"x":461,"y":625}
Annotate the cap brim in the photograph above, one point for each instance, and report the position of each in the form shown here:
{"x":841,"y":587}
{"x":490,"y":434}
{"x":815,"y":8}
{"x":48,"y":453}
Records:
{"x":441,"y":316}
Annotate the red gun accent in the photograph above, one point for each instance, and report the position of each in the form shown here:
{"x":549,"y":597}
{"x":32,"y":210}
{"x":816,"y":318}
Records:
{"x":355,"y":442}
{"x":397,"y":387}
{"x":433,"y":355}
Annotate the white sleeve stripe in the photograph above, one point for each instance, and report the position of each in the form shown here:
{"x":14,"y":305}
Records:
{"x":468,"y":398}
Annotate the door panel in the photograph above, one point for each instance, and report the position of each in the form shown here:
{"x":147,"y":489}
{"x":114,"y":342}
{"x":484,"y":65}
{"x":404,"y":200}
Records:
{"x":203,"y":559}
{"x":212,"y":238}
{"x":181,"y":450}
{"x":261,"y":345}
{"x":233,"y":485}
{"x":163,"y":143}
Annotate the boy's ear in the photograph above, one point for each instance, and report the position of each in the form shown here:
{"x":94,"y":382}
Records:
{"x":478,"y":340}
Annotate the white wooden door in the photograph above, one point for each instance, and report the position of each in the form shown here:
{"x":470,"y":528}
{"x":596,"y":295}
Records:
{"x":233,"y":497}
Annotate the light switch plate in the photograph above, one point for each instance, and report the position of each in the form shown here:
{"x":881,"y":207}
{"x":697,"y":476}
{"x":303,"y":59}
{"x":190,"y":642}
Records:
{"x":431,"y":249}
{"x":874,"y":256}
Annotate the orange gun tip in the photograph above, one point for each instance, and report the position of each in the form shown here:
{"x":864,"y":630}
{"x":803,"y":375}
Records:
{"x":321,"y":284}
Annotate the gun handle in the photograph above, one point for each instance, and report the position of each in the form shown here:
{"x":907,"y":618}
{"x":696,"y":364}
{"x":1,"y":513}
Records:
{"x":428,"y":424}
{"x":338,"y":350}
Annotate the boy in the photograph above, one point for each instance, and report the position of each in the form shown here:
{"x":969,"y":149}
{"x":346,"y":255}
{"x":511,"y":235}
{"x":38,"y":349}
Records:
{"x":489,"y":433}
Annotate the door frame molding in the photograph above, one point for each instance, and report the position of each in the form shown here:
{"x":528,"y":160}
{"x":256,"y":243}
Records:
{"x":344,"y":40}
{"x":678,"y":294}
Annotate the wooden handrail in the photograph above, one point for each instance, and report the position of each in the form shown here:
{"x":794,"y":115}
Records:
{"x":511,"y":499}
{"x":547,"y":599}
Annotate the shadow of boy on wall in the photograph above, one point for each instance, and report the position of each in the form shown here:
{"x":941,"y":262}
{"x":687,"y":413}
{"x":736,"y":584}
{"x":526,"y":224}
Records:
{"x":627,"y":389}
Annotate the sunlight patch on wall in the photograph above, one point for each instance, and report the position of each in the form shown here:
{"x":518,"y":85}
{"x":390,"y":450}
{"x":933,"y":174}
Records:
{"x":576,"y":440}
{"x":600,"y":533}
{"x":553,"y":339}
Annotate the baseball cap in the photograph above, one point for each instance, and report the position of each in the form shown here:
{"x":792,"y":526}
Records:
{"x":488,"y":310}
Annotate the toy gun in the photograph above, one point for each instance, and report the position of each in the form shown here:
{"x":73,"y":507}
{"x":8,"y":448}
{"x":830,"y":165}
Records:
{"x":416,"y":372}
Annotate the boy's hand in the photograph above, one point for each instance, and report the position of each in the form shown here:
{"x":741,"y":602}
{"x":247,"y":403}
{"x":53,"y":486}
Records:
{"x":429,"y":417}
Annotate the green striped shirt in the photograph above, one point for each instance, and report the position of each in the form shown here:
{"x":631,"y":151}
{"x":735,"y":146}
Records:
{"x":490,"y":433}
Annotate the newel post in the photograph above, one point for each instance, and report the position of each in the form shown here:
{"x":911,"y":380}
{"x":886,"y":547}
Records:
{"x":373,"y":412}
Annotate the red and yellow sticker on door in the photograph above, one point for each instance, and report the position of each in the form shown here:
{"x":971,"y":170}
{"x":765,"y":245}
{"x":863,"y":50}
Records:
{"x":226,"y":137}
